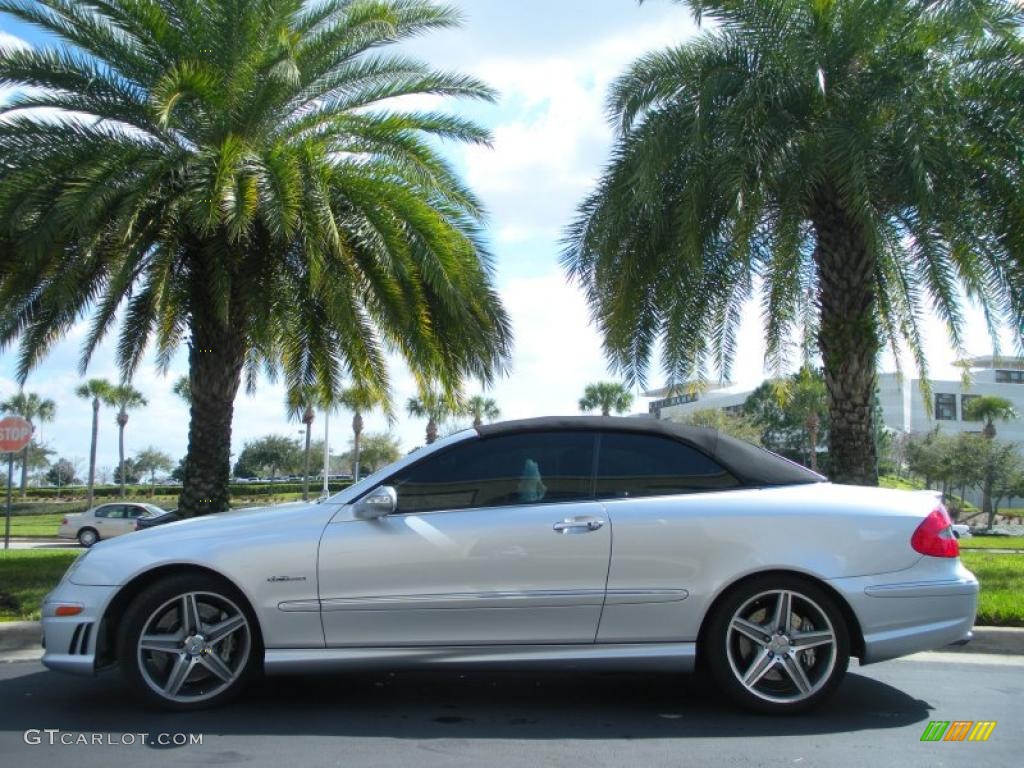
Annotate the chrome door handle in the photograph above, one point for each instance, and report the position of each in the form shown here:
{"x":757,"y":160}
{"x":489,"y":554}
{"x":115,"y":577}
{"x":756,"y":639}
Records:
{"x":577,"y":526}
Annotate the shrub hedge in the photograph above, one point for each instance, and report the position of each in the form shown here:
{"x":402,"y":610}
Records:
{"x":239,"y":489}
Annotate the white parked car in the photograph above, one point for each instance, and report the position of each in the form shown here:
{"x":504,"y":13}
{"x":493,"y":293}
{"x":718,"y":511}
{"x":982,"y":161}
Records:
{"x":961,"y":531}
{"x":615,"y":543}
{"x":105,"y":521}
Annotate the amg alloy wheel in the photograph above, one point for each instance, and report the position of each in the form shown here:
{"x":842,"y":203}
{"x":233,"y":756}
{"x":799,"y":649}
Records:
{"x":778,"y":645}
{"x":188,"y":642}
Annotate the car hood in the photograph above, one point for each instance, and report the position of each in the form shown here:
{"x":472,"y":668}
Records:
{"x":196,"y":540}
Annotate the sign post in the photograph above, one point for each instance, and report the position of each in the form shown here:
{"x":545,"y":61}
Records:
{"x":15,"y":433}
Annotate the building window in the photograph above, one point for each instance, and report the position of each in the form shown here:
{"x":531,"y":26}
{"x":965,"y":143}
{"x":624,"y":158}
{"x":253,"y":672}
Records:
{"x":945,"y":407}
{"x":1010,"y":377}
{"x":964,"y":400}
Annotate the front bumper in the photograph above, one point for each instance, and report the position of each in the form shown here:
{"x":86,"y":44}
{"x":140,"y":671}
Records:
{"x":71,"y":641}
{"x":928,"y":606}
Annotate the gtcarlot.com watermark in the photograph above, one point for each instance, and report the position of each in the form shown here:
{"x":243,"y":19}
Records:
{"x":57,"y":737}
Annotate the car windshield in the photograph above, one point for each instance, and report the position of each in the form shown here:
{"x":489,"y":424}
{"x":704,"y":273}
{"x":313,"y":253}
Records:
{"x":152,"y":510}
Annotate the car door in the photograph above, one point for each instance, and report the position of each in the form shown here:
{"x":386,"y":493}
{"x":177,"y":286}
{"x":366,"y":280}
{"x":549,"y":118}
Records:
{"x":105,"y":519}
{"x":118,"y":520}
{"x":495,"y":540}
{"x":660,"y":494}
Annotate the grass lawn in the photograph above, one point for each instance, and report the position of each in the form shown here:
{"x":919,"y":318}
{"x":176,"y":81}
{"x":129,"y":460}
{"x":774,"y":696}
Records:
{"x":993,"y":542}
{"x":25,"y":578}
{"x":1002,"y":587}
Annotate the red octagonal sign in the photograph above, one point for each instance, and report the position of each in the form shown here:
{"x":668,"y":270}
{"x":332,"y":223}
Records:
{"x":15,"y":432}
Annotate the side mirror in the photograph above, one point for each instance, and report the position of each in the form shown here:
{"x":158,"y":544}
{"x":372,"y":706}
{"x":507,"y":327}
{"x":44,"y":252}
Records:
{"x":381,"y":501}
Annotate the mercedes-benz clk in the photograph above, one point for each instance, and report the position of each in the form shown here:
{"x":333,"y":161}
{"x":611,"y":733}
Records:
{"x":567,"y":542}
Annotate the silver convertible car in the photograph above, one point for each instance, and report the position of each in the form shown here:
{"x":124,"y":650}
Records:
{"x":620,"y":543}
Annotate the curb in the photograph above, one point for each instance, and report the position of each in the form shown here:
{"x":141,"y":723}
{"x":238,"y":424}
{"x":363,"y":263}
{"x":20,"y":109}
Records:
{"x":20,"y":637}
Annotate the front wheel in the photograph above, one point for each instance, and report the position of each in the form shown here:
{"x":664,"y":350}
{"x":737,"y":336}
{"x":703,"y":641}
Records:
{"x":87,"y":537}
{"x":778,"y":645}
{"x":188,"y":642}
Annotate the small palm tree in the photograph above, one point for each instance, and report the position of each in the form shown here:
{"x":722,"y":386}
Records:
{"x":34,"y":409}
{"x":804,"y":395}
{"x":359,"y":400}
{"x":435,"y":407}
{"x":990,"y":409}
{"x":182,"y":389}
{"x":302,"y":405}
{"x":236,"y":177}
{"x":100,"y":392}
{"x":858,"y":160}
{"x":481,"y":409}
{"x":607,"y":396}
{"x":125,"y":398}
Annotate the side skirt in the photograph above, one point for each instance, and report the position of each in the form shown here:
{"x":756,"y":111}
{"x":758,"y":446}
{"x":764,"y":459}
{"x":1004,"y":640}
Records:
{"x":675,"y":657}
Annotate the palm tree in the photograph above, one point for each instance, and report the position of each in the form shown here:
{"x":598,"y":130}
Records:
{"x":804,"y":395}
{"x":608,"y":396}
{"x":359,"y":400}
{"x":435,"y":407}
{"x":301,"y":406}
{"x":182,"y":390}
{"x":232,"y":177}
{"x":126,"y":398}
{"x":861,"y":160}
{"x":33,"y":409}
{"x":990,"y":409}
{"x":100,"y":391}
{"x":481,"y":409}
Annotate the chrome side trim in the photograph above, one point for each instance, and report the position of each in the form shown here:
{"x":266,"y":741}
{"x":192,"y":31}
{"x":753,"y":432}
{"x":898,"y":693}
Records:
{"x":299,"y":605}
{"x":633,"y":596}
{"x":658,"y":656}
{"x":553,"y":598}
{"x":924,"y":589}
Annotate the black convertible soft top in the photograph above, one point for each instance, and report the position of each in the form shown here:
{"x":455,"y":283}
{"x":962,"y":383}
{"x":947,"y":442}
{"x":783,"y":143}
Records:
{"x":750,"y":464}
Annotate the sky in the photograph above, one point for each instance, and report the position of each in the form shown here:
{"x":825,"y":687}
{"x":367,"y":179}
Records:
{"x":552,"y":62}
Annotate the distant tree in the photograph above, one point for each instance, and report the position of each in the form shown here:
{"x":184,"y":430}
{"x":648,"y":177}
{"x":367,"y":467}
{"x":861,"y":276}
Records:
{"x":62,"y":473}
{"x":178,"y":473}
{"x":301,"y":404}
{"x":377,"y":450}
{"x":1002,"y":473}
{"x":35,"y":410}
{"x":435,"y":407}
{"x":606,"y":396}
{"x":360,"y":400}
{"x":989,"y":409}
{"x":152,"y":460}
{"x":481,"y":409}
{"x":128,"y":472}
{"x":100,"y":392}
{"x":126,"y":398}
{"x":271,"y":452}
{"x":805,"y":397}
{"x":737,"y":425}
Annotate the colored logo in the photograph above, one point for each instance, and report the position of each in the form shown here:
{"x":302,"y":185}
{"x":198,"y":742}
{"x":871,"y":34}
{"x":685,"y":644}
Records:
{"x":958,"y":730}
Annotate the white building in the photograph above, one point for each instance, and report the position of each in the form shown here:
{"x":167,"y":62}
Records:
{"x":902,"y":402}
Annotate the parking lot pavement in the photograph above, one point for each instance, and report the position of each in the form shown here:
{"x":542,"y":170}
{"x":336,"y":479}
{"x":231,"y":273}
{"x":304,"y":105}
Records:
{"x":42,"y":543}
{"x":428,"y":719}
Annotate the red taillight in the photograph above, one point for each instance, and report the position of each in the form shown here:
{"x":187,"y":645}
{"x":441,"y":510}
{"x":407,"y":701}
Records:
{"x":934,"y":536}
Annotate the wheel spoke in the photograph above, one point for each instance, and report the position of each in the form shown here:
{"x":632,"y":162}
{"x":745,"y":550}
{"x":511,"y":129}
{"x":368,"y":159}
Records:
{"x":216,"y":664}
{"x":761,"y":664}
{"x":190,"y":614}
{"x":183,"y":665}
{"x":749,"y":629}
{"x":796,"y":673}
{"x":221,"y":630}
{"x":783,"y":611}
{"x":161,"y":643}
{"x":801,"y":641}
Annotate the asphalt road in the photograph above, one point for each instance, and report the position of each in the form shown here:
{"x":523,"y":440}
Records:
{"x":427,"y":719}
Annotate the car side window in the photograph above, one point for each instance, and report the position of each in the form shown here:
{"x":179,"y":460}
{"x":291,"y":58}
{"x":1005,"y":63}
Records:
{"x":103,"y":511}
{"x":527,"y":468}
{"x":134,"y":512}
{"x":633,"y":465}
{"x":116,"y":511}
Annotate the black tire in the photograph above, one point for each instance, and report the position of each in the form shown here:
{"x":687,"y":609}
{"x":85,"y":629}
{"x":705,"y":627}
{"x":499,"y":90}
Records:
{"x":730,"y":653}
{"x":87,"y":537}
{"x":157,"y":597}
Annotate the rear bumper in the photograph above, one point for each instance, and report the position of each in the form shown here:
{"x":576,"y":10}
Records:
{"x":928,"y":606}
{"x":71,"y":642}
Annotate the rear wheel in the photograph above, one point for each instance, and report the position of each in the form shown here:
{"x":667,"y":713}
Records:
{"x":188,"y":642}
{"x":778,"y":645}
{"x":87,"y":537}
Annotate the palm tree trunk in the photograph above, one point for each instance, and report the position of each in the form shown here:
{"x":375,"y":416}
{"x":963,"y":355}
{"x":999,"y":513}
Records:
{"x":357,"y":435}
{"x":431,"y":431}
{"x":92,"y":447}
{"x":120,"y":449}
{"x":848,"y":340}
{"x":216,"y":358}
{"x":812,"y":438}
{"x":305,"y":466}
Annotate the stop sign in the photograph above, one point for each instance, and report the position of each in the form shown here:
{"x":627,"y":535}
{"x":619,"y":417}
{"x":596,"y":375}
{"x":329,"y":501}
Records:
{"x":15,"y":432}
